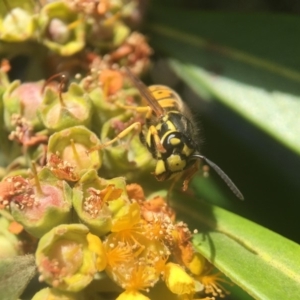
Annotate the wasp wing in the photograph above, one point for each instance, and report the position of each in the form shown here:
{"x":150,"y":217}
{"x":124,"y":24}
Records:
{"x":153,"y":103}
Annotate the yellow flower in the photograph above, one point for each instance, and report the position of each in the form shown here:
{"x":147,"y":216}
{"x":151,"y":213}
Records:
{"x":133,"y":261}
{"x":68,"y":257}
{"x":95,"y":245}
{"x":178,"y":281}
{"x":196,"y":264}
{"x":211,"y":283}
{"x":132,"y":295}
{"x":126,"y":218}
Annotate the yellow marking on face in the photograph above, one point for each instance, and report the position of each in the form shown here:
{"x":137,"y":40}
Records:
{"x":174,"y":141}
{"x":186,"y":150}
{"x":160,"y":167}
{"x":175,"y":163}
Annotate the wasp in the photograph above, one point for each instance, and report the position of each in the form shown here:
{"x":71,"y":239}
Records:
{"x":170,"y":135}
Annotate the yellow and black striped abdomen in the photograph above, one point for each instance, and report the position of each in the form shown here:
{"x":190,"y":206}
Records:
{"x":166,"y":97}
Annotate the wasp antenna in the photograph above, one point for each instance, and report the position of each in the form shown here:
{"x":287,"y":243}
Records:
{"x":63,"y":80}
{"x":222,"y":174}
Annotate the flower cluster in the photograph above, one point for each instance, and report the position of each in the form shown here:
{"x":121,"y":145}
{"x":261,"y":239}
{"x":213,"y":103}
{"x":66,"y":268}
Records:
{"x":78,"y":206}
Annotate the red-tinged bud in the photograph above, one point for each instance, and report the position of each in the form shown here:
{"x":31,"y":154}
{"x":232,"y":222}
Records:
{"x":22,"y":100}
{"x":129,"y":157}
{"x":69,"y":256}
{"x":63,"y":110}
{"x":72,"y":144}
{"x":97,"y":200}
{"x":38,"y":205}
{"x":62,"y":169}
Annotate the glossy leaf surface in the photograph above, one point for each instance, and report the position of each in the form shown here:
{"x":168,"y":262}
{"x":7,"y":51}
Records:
{"x":252,"y":68}
{"x":265,"y":264}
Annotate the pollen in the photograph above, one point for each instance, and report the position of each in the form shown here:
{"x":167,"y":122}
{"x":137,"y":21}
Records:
{"x":212,"y":283}
{"x":111,"y":80}
{"x":18,"y":190}
{"x":23,"y":132}
{"x":117,"y":253}
{"x":61,"y":168}
{"x":95,"y":199}
{"x":134,"y":261}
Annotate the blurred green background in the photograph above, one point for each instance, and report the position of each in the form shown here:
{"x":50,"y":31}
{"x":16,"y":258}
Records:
{"x":254,"y":139}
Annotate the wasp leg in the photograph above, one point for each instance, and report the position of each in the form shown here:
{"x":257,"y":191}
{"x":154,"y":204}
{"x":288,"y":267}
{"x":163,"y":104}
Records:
{"x":188,"y":175}
{"x":156,"y":138}
{"x":175,"y":180}
{"x":152,"y":129}
{"x":141,"y":109}
{"x":137,"y":126}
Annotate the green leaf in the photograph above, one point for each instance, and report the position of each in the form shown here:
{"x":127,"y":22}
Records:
{"x":263,"y":263}
{"x":274,"y":112}
{"x":15,"y":274}
{"x":252,"y":68}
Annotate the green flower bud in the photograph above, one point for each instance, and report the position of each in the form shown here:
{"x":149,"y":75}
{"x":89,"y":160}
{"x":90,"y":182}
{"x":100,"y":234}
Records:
{"x":18,"y":166}
{"x":63,"y":31}
{"x":96,"y":200}
{"x":62,"y":169}
{"x":4,"y":83}
{"x":130,"y":159}
{"x":72,"y":144}
{"x":107,"y":35}
{"x":40,"y":206}
{"x":9,"y":154}
{"x":104,"y":109}
{"x":121,"y":32}
{"x":23,"y":100}
{"x":112,"y":91}
{"x":9,"y":243}
{"x":69,"y":256}
{"x":17,"y":25}
{"x":60,"y":111}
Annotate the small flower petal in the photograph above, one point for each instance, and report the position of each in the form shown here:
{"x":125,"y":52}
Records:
{"x":126,"y":217}
{"x":132,"y":295}
{"x":177,"y":280}
{"x":197,"y":264}
{"x":54,"y":294}
{"x":96,"y":246}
